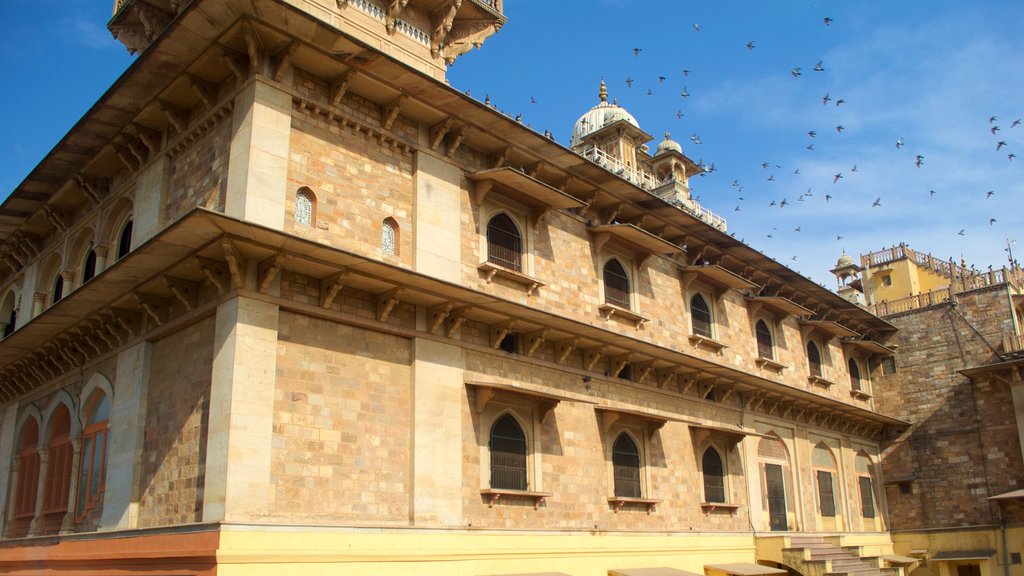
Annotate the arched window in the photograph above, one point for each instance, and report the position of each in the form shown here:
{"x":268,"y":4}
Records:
{"x":89,"y":267}
{"x":304,"y":202}
{"x":389,"y":237}
{"x":58,"y":288}
{"x":626,"y":467}
{"x":58,"y":472}
{"x":616,"y":284}
{"x":28,"y":478}
{"x":854,"y":375}
{"x":865,"y":482}
{"x":12,"y":322}
{"x":92,"y":474}
{"x":504,"y":243}
{"x":774,"y":463}
{"x":813,"y":359}
{"x":124,"y":241}
{"x":508,"y":455}
{"x":825,"y":472}
{"x":765,"y":346}
{"x":714,"y":476}
{"x":700,"y":316}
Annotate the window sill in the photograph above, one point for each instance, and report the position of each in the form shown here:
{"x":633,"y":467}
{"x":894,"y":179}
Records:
{"x":819,"y":381}
{"x":618,"y":502}
{"x":769,"y":364}
{"x":494,"y":494}
{"x":491,"y":270}
{"x":860,"y":395}
{"x":608,"y":311}
{"x":697,"y":341}
{"x":710,"y":507}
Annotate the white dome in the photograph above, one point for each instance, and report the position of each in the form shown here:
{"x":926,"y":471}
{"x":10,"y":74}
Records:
{"x":844,"y":261}
{"x":668,"y":144}
{"x":600,"y":116}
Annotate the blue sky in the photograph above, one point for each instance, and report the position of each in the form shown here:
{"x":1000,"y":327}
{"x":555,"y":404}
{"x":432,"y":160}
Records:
{"x":929,"y":73}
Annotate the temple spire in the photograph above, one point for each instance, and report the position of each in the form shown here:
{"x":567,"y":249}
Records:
{"x":604,"y":92}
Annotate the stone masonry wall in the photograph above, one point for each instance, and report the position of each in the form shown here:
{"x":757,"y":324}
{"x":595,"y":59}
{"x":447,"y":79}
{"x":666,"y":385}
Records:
{"x":198,"y":175}
{"x":962,"y":446}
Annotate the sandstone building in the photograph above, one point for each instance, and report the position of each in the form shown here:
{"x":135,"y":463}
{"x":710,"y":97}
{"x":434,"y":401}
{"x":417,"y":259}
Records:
{"x":954,"y":478}
{"x":285,"y":302}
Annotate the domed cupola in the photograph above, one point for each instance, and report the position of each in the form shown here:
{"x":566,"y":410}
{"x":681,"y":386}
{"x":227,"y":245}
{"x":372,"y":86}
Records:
{"x":668,"y":145}
{"x":604,"y":114}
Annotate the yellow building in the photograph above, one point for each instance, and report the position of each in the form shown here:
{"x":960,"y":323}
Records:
{"x":283,"y":302}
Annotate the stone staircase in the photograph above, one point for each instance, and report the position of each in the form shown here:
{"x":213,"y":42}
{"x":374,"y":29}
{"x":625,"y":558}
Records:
{"x":823,"y":556}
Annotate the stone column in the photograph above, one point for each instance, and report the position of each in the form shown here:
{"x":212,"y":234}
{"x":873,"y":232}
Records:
{"x":44,"y":457}
{"x":102,"y":251}
{"x":68,"y":525}
{"x":8,"y":516}
{"x":241,"y":411}
{"x":38,"y":301}
{"x":124,"y":445}
{"x":258,"y":164}
{"x":438,"y":391}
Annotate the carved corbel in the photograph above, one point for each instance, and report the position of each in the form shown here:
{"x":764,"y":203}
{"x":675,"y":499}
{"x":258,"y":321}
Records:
{"x":283,"y":61}
{"x":499,"y":332}
{"x":438,"y":314}
{"x":153,"y":19}
{"x":177,"y":118}
{"x":340,"y":86}
{"x":480,"y":190}
{"x":93,"y":188}
{"x":253,"y":47}
{"x":206,"y":92}
{"x":665,"y":376}
{"x":534,"y":170}
{"x":564,"y":348}
{"x":438,"y":132}
{"x":331,"y":287}
{"x":390,"y":112}
{"x":235,"y":263}
{"x":728,"y":394}
{"x":387,"y":302}
{"x":534,"y":340}
{"x":394,"y":8}
{"x":456,"y":318}
{"x":708,"y":391}
{"x":268,"y":270}
{"x":618,"y":364}
{"x":215,"y":272}
{"x":149,"y":138}
{"x":124,"y":154}
{"x":609,"y":214}
{"x":442,"y":21}
{"x":592,"y":356}
{"x":185,"y":291}
{"x":235,"y":62}
{"x":642,"y":370}
{"x":502,"y":157}
{"x":153,"y":306}
{"x":455,"y":141}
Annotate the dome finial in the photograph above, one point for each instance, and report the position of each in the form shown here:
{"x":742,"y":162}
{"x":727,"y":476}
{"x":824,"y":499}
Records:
{"x":604,"y":92}
{"x":667,"y":135}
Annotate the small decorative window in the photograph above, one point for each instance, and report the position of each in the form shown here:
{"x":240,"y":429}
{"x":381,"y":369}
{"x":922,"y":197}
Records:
{"x":28,"y":478}
{"x":714,"y":476}
{"x":389,"y":237}
{"x":124,"y":241}
{"x":89,"y":267}
{"x":616,"y":284}
{"x":854,"y":375}
{"x":886,"y":280}
{"x":304,"y":207}
{"x":626,"y":467}
{"x":504,"y":243}
{"x":813,"y":359}
{"x":58,"y":288}
{"x":765,"y":346}
{"x":508,"y":455}
{"x":92,"y":473}
{"x":700,"y":316}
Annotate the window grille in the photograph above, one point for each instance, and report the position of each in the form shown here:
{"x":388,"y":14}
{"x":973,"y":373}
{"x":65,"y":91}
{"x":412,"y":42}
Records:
{"x":303,"y":208}
{"x":700,"y":316}
{"x":508,"y":455}
{"x":765,"y":347}
{"x":813,"y":359}
{"x":388,"y":236}
{"x":616,"y":284}
{"x":504,"y":243}
{"x":714,"y":476}
{"x":889,"y":365}
{"x":626,"y":467}
{"x":772,"y":448}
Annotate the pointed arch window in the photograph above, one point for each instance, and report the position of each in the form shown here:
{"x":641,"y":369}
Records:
{"x":504,"y":243}
{"x":616,"y":284}
{"x":89,"y":267}
{"x":389,"y":237}
{"x":305,"y":207}
{"x":765,"y":345}
{"x":508,"y":455}
{"x":865,"y":483}
{"x":825,"y":473}
{"x":58,"y":471}
{"x":124,"y":241}
{"x":58,"y":288}
{"x":854,"y":374}
{"x":700,"y":316}
{"x":12,"y":321}
{"x":813,"y":359}
{"x":92,"y":473}
{"x":714,"y":476}
{"x":626,"y":467}
{"x":27,"y":478}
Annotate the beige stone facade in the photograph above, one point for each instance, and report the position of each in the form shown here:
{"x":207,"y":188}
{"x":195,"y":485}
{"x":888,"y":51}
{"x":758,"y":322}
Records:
{"x":278,"y":282}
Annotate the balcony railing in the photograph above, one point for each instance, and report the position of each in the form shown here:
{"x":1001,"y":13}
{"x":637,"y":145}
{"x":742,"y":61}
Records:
{"x":885,"y":308}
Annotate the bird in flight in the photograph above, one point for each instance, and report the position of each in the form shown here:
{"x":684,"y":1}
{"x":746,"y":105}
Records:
{"x":828,"y":21}
{"x":994,"y":129}
{"x":772,"y":179}
{"x":840,"y":101}
{"x":1011,"y":156}
{"x":825,"y":99}
{"x":812,"y":133}
{"x":837,"y":177}
{"x":877,"y":202}
{"x":696,"y":27}
{"x":636,"y":51}
{"x":783,"y":203}
{"x":650,"y":92}
{"x":533,"y":100}
{"x":961,"y":232}
{"x":750,"y":45}
{"x":684,"y":93}
{"x":661,"y":79}
{"x":819,"y":67}
{"x":991,"y":221}
{"x":1000,"y":144}
{"x":827,"y":198}
{"x":1015,"y":123}
{"x":839,"y":238}
{"x":695,"y":138}
{"x":810,"y":146}
{"x":629,"y":82}
{"x":679,"y":114}
{"x":991,"y":119}
{"x":686,"y":72}
{"x":772,"y":203}
{"x":919,"y":160}
{"x":854,"y":169}
{"x":840,"y":128}
{"x":989,"y":194}
{"x":899,"y":143}
{"x":795,"y":72}
{"x":764,"y":165}
{"x":797,"y":229}
{"x":931,"y":192}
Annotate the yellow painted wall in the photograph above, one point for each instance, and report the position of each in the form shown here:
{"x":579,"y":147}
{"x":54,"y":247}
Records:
{"x":958,"y":540}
